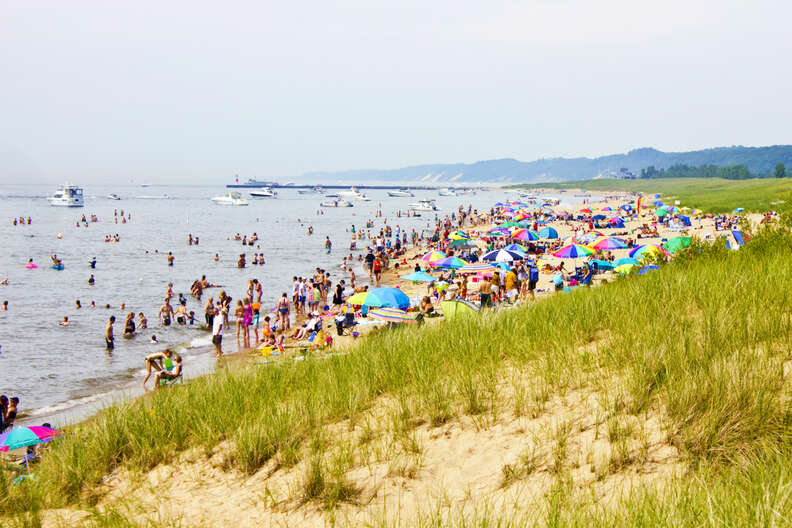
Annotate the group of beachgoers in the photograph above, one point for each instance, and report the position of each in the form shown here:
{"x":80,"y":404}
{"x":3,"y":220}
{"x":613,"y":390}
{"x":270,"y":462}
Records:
{"x":21,"y":221}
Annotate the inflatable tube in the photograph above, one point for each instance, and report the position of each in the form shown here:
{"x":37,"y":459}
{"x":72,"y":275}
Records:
{"x":31,"y":266}
{"x":57,"y":267}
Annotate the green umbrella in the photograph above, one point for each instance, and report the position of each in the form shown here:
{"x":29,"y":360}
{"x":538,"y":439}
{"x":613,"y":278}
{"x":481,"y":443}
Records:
{"x":677,"y":243}
{"x":661,"y":211}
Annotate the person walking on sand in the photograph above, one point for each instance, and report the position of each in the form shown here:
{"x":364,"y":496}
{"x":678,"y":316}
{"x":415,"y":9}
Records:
{"x":217,"y":334}
{"x":109,"y":339}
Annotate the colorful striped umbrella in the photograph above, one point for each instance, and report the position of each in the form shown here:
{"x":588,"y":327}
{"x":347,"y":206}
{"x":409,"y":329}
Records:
{"x":477,"y":267}
{"x":433,"y":256}
{"x":573,"y":251}
{"x":516,"y":247}
{"x":387,"y":297}
{"x":647,"y":249}
{"x":608,"y":208}
{"x":525,"y":235}
{"x":392,"y":315}
{"x":449,"y":262}
{"x":26,"y":436}
{"x":609,"y":243}
{"x":502,"y":255}
{"x":586,"y":210}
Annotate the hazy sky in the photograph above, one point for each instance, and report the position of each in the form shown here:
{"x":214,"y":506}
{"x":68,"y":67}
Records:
{"x":192,"y":90}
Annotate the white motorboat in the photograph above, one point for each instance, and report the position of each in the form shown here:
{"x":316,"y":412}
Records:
{"x":336,"y":203}
{"x":332,"y":195}
{"x":424,"y":205}
{"x":401,"y":193}
{"x":354,"y":194}
{"x":232,"y":198}
{"x":113,"y":196}
{"x":446,"y":192}
{"x":264,"y":192}
{"x":67,"y":196}
{"x":315,"y":190}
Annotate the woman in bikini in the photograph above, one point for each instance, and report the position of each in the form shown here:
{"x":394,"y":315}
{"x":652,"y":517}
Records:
{"x":239,"y":315}
{"x":283,"y":311}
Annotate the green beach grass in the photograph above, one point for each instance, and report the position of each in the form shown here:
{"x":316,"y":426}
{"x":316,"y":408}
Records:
{"x":705,"y":338}
{"x":714,"y":195}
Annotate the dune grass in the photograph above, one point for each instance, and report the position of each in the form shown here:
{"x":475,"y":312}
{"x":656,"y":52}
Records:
{"x":714,"y":195}
{"x":706,"y":337}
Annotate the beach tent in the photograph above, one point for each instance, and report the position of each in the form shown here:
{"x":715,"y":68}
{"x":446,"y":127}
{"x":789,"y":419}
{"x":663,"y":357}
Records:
{"x":549,"y":233}
{"x":685,"y":220}
{"x":457,"y":308}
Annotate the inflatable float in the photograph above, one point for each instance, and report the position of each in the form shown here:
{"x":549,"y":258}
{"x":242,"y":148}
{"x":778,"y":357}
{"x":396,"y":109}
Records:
{"x":31,"y":266}
{"x":59,"y":267}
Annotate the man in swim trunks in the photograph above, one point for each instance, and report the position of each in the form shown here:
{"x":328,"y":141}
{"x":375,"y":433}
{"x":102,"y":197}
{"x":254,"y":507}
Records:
{"x":166,"y":312}
{"x":171,"y":258}
{"x":109,"y":339}
{"x":217,"y":334}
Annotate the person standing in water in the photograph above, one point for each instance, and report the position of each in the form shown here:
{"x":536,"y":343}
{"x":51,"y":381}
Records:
{"x":109,"y":339}
{"x":166,"y":312}
{"x":328,"y":245}
{"x":171,"y":258}
{"x":217,"y":334}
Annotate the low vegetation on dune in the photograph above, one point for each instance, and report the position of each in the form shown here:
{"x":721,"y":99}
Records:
{"x":715,"y":195}
{"x":698,"y":352}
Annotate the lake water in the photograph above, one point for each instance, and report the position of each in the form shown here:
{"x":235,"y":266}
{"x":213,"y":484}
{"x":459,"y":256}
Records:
{"x":55,"y":369}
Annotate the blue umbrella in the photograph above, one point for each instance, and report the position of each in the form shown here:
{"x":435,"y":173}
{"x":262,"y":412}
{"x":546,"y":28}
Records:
{"x":738,"y":210}
{"x":548,"y":232}
{"x":603,"y":265}
{"x":502,"y":255}
{"x":624,"y":260}
{"x":658,"y":203}
{"x":626,"y":207}
{"x":385,"y":297}
{"x":599,"y":217}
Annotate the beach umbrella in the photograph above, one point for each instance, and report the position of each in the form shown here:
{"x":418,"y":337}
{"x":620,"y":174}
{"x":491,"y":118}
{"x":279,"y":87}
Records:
{"x":609,"y":243}
{"x":599,"y":217}
{"x":695,"y":212}
{"x":658,"y":203}
{"x":433,"y":255}
{"x":26,"y":436}
{"x":739,"y":237}
{"x":502,"y":255}
{"x":647,"y":249}
{"x":624,"y":260}
{"x":626,"y":207}
{"x":662,"y":211}
{"x":685,"y":220}
{"x":525,"y":235}
{"x":624,"y":269}
{"x":677,"y":243}
{"x":516,"y":247}
{"x":449,"y":262}
{"x":392,"y":315}
{"x":496,"y":233}
{"x":738,"y":210}
{"x":549,"y":233}
{"x":573,"y":251}
{"x":589,"y":237}
{"x":586,"y":210}
{"x":458,"y":235}
{"x":477,"y":267}
{"x":381,"y":297}
{"x":616,"y":222}
{"x":462,"y":244}
{"x":418,"y":276}
{"x":608,"y":208}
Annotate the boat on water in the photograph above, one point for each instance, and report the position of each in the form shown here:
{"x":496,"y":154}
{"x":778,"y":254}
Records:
{"x":67,"y":196}
{"x":528,"y":195}
{"x":401,"y":193}
{"x":113,"y":196}
{"x":251,"y":183}
{"x":264,"y":192}
{"x":145,"y":185}
{"x":315,"y":190}
{"x":446,"y":192}
{"x":232,"y":198}
{"x":332,"y":195}
{"x":336,"y":203}
{"x":354,"y":194}
{"x":423,"y":205}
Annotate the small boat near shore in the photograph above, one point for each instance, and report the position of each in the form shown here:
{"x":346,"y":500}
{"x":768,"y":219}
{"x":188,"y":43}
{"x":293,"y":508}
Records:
{"x":401,"y":193}
{"x":113,"y":196}
{"x":354,"y":194}
{"x":232,"y":198}
{"x":336,"y":203}
{"x":446,"y":192}
{"x":423,"y":205}
{"x":264,"y":192}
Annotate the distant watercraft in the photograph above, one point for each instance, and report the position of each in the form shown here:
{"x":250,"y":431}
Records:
{"x":315,"y":190}
{"x":401,"y":193}
{"x":232,"y":198}
{"x":336,"y":203}
{"x":264,"y":192}
{"x":113,"y":196}
{"x":354,"y":194}
{"x":424,"y":205}
{"x":67,"y":196}
{"x":331,"y":195}
{"x":446,"y":192}
{"x":145,"y":185}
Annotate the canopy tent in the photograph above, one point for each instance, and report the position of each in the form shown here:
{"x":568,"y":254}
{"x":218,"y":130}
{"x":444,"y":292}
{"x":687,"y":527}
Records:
{"x":457,"y":308}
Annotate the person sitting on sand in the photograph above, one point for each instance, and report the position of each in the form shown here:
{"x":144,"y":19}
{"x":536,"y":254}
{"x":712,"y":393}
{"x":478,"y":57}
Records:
{"x":169,"y":374}
{"x":308,"y":328}
{"x":158,"y":361}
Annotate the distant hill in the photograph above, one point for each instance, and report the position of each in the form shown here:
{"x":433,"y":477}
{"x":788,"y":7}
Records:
{"x":759,"y":160}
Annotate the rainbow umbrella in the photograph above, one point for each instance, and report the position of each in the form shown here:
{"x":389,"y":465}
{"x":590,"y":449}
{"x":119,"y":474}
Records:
{"x":477,"y":267}
{"x":573,"y":251}
{"x":647,"y":249}
{"x":26,"y":436}
{"x":524,"y":234}
{"x":589,"y":237}
{"x":608,"y":208}
{"x":381,"y":297}
{"x":449,"y":262}
{"x":516,"y":247}
{"x":392,"y":315}
{"x":609,"y":243}
{"x":433,"y":256}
